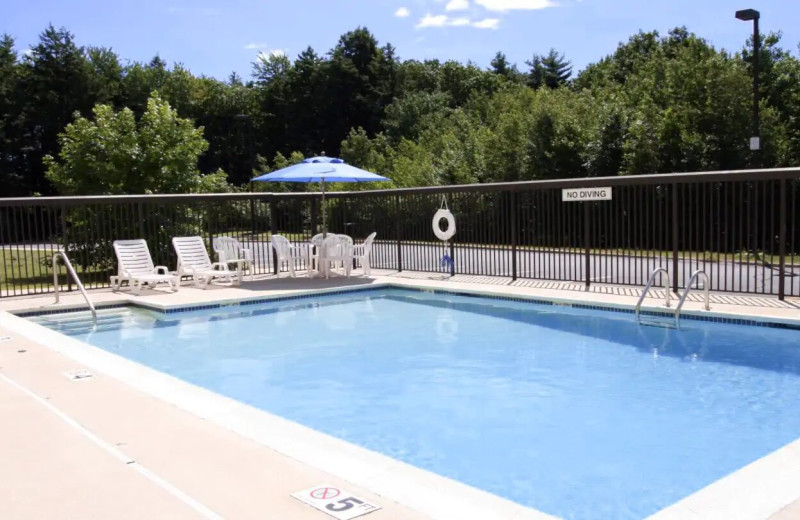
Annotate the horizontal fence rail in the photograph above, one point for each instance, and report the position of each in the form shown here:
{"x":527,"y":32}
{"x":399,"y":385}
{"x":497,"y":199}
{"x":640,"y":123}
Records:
{"x":739,"y":227}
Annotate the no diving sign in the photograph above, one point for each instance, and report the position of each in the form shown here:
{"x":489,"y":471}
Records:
{"x":335,"y":501}
{"x":583,"y":194}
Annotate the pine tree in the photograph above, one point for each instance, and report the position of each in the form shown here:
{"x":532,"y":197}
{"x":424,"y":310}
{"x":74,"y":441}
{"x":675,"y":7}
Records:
{"x":551,"y":71}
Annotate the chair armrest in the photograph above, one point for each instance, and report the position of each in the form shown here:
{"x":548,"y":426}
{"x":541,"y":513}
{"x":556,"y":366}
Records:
{"x":220,"y":266}
{"x":161,"y":269}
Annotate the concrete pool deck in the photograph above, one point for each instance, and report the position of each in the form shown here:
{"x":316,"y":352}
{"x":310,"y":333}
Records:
{"x":106,"y":447}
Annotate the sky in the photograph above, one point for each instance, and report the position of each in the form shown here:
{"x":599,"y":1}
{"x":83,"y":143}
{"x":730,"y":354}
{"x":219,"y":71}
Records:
{"x":217,"y":37}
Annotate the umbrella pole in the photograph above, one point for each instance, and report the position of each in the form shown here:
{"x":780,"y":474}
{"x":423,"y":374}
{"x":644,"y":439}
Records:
{"x":324,"y":223}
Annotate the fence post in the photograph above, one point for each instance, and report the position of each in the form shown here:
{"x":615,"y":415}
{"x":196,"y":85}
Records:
{"x":210,"y":221}
{"x":141,"y":220}
{"x":513,"y":212}
{"x":397,"y":232}
{"x":65,"y":240}
{"x":452,"y":258}
{"x":314,"y":215}
{"x":587,"y":243}
{"x":273,"y":230}
{"x":674,"y":225}
{"x":253,"y":232}
{"x":782,"y":241}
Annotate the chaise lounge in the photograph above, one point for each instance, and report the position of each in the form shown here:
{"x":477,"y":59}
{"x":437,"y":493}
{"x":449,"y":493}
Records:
{"x":135,"y":265}
{"x":193,"y":260}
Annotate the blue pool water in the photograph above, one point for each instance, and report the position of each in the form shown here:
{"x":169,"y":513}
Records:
{"x":578,"y":413}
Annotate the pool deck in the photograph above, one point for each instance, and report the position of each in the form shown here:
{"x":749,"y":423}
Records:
{"x":132,"y":443}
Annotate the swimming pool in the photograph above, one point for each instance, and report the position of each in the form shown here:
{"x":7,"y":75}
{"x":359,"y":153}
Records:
{"x":579,"y":413}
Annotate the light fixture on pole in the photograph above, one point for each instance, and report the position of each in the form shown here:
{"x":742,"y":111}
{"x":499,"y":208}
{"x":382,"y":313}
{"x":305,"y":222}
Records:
{"x":747,"y":15}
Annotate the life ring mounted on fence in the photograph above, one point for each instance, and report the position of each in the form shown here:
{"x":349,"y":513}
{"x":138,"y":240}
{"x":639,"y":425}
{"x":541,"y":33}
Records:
{"x":444,"y":234}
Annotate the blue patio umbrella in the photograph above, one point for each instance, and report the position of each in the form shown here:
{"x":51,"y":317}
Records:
{"x":322,"y":170}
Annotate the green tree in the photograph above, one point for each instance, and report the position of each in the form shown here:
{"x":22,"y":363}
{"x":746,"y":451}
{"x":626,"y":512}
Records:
{"x":114,"y":154}
{"x":500,"y":66}
{"x":11,"y":174}
{"x":55,"y":81}
{"x":105,"y":75}
{"x":352,"y":75}
{"x":779,"y":85}
{"x":551,"y":71}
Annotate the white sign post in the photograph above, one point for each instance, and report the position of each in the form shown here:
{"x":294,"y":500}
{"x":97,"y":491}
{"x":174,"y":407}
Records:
{"x":584,"y":194}
{"x":335,"y":501}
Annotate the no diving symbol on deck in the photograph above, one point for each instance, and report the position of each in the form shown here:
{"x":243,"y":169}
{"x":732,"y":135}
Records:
{"x":325,"y":493}
{"x":335,"y":502}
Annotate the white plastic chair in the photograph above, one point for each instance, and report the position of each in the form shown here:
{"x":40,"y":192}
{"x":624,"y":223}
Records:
{"x":193,"y":261}
{"x":316,"y":247}
{"x":335,"y":249}
{"x":361,"y":253}
{"x":287,"y":252}
{"x":135,"y":265}
{"x":230,"y":251}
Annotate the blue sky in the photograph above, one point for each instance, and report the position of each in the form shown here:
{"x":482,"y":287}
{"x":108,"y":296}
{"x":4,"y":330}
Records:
{"x":215,"y":37}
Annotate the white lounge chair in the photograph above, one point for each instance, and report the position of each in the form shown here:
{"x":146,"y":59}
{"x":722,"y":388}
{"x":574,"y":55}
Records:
{"x":361,"y":253}
{"x":193,"y":261}
{"x":287,"y":252}
{"x":135,"y":265}
{"x":230,"y":251}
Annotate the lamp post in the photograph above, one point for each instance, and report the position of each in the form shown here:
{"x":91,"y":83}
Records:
{"x":747,"y":15}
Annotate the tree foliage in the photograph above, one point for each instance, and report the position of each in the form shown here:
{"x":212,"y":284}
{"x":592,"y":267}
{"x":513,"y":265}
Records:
{"x":658,"y":103}
{"x":551,"y":71}
{"x":114,"y":154}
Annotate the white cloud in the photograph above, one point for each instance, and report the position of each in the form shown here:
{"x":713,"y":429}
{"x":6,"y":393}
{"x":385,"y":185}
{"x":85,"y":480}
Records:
{"x":442,"y":20}
{"x":402,"y":12}
{"x":432,"y":21}
{"x":512,"y":5}
{"x":264,"y":51}
{"x":487,"y":23}
{"x":272,"y":52}
{"x":457,"y":5}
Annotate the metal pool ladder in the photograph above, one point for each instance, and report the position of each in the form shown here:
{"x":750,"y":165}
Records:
{"x":706,"y":284}
{"x":647,"y":288}
{"x":71,"y":271}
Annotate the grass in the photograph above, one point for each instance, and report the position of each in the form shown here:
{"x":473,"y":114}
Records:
{"x":26,"y":268}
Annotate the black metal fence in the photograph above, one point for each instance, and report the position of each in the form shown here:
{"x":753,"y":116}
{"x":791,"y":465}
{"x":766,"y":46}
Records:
{"x":740,"y":227}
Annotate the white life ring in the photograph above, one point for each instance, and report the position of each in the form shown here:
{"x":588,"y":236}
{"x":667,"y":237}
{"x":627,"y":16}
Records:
{"x":451,"y":224}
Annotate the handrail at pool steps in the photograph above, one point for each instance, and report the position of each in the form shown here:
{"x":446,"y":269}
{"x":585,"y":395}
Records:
{"x":650,"y":280}
{"x":78,"y":282}
{"x":688,"y":289}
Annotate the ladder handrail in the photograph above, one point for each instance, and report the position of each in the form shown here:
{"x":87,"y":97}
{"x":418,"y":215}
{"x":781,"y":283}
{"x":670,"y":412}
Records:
{"x":688,"y":289}
{"x":650,"y":281}
{"x":71,"y":271}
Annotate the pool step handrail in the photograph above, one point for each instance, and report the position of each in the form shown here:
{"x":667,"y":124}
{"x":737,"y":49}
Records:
{"x":78,"y":282}
{"x":688,"y":289}
{"x":650,"y":281}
